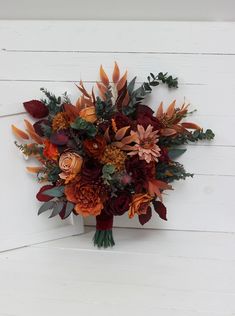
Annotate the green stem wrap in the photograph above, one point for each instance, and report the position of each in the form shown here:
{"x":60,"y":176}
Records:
{"x":104,"y":235}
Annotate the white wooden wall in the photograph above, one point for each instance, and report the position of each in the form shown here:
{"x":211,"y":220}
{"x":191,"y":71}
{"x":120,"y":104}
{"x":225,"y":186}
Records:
{"x":57,"y":54}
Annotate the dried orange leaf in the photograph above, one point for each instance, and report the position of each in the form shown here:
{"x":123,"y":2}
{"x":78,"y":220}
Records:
{"x":171,"y":109}
{"x":102,"y":90}
{"x":29,"y":126}
{"x":35,"y":137}
{"x":129,"y":139}
{"x":121,"y":132}
{"x":82,"y":89}
{"x":19,"y":133}
{"x":167,"y":131}
{"x":160,"y":110}
{"x":34,"y":169}
{"x":190,"y":125}
{"x":116,"y":73}
{"x":126,"y":99}
{"x":121,"y":83}
{"x":104,"y":78}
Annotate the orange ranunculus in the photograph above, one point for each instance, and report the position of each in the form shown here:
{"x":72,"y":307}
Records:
{"x":95,"y":147}
{"x":88,"y":114}
{"x":139,"y":204}
{"x":70,"y":163}
{"x":50,"y":150}
{"x":87,"y":197}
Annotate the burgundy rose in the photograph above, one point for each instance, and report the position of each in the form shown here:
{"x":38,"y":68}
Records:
{"x":91,"y":170}
{"x":118,"y":205}
{"x":121,"y":120}
{"x":145,"y":116}
{"x":140,"y":172}
{"x":36,"y":109}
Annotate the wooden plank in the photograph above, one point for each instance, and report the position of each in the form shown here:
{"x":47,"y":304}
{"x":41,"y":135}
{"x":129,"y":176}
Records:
{"x":74,"y":66}
{"x":149,"y":36}
{"x":167,"y":243}
{"x":204,"y":203}
{"x":43,"y":280}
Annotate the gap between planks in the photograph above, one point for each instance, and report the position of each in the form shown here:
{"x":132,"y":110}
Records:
{"x":115,"y":52}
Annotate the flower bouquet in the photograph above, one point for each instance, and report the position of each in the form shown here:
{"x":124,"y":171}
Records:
{"x":108,"y":154}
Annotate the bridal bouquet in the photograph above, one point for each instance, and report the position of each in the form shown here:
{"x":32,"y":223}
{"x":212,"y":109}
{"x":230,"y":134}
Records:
{"x":108,"y":154}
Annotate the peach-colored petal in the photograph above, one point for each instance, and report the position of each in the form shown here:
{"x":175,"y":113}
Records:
{"x":18,"y":132}
{"x":116,"y":73}
{"x":104,"y":78}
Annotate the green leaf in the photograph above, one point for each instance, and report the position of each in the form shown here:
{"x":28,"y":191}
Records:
{"x":108,"y":169}
{"x":55,"y":192}
{"x":174,"y":153}
{"x":69,"y":208}
{"x":131,"y":86}
{"x":83,"y":125}
{"x":46,"y":206}
{"x":58,"y":206}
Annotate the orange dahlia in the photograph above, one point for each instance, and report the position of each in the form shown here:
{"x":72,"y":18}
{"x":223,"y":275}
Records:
{"x":87,"y":197}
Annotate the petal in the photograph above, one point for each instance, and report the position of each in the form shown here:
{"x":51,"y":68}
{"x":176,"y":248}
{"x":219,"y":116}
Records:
{"x":19,"y":133}
{"x":116,"y":73}
{"x":104,"y":78}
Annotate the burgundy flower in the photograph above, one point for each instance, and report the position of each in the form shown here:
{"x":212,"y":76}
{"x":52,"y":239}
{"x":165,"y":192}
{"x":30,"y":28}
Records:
{"x":36,"y":108}
{"x":118,"y":205}
{"x":59,"y":138}
{"x":140,"y":172}
{"x":38,"y":126}
{"x":91,"y":170}
{"x":144,"y":117}
{"x":121,"y":120}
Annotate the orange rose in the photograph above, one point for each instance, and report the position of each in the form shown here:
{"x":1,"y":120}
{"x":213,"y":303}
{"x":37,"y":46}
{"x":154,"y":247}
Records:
{"x":95,"y":147}
{"x":139,"y":204}
{"x":70,"y":163}
{"x":50,"y":151}
{"x":88,"y":114}
{"x":87,"y":197}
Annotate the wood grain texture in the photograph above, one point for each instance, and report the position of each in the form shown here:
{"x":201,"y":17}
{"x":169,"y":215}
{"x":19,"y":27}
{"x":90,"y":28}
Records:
{"x":148,"y":272}
{"x":146,"y":36}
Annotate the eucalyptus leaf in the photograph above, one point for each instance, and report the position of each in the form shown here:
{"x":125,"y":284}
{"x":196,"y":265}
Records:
{"x":68,"y":210}
{"x":131,"y":86}
{"x":46,"y":206}
{"x":55,"y":192}
{"x":174,"y":153}
{"x":58,"y":206}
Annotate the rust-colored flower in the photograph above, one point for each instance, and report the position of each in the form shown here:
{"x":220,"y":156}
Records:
{"x":50,"y":151}
{"x":139,"y":204}
{"x":70,"y":163}
{"x":115,"y":156}
{"x":60,"y":121}
{"x":88,"y":114}
{"x":87,"y":197}
{"x":95,"y":147}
